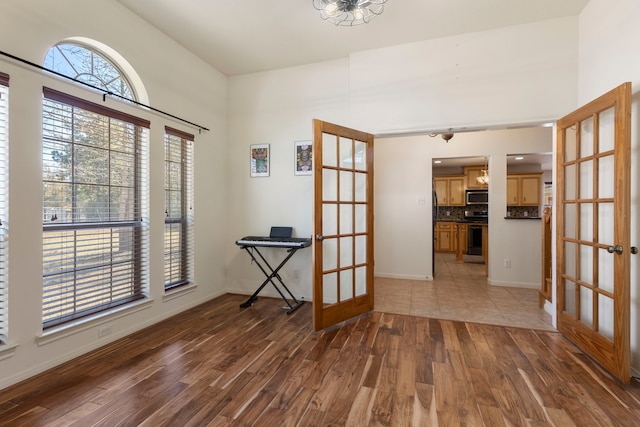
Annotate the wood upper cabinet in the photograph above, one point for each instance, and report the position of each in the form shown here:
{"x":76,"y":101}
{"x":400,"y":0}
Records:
{"x":524,"y":189}
{"x":450,"y":190}
{"x":472,"y":173}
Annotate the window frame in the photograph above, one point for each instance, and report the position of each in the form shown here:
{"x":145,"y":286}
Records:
{"x":182,"y":254}
{"x":137,"y":223}
{"x":4,"y":201}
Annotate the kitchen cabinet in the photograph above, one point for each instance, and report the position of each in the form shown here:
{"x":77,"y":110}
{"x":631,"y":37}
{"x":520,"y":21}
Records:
{"x":471,"y":174}
{"x":524,"y":189}
{"x":446,"y":237}
{"x":450,"y":236}
{"x":450,"y":190}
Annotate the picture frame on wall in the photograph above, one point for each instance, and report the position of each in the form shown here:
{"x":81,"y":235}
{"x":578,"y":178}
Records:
{"x":259,"y":160}
{"x":303,"y":158}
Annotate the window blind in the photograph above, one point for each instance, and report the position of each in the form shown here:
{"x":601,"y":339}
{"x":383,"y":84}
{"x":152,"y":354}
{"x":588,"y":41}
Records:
{"x":178,"y":229}
{"x":4,"y":174}
{"x":95,"y":208}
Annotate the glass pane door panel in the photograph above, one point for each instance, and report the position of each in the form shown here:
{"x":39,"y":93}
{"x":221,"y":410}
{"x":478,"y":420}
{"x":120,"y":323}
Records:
{"x":361,"y":156}
{"x":330,"y":254}
{"x":570,"y":182}
{"x":361,"y":187}
{"x":346,"y":219}
{"x":586,"y":221}
{"x":605,"y":270}
{"x":570,"y":220}
{"x":586,"y":179}
{"x":605,"y":316}
{"x":606,"y":174}
{"x":346,"y":285}
{"x":329,"y":219}
{"x":346,"y":186}
{"x":329,"y":150}
{"x":330,"y":288}
{"x":346,"y":153}
{"x":586,"y":263}
{"x":361,"y":281}
{"x":586,"y":306}
{"x":605,"y":223}
{"x":570,"y":144}
{"x":570,"y":297}
{"x":346,"y":251}
{"x":570,"y":259}
{"x":361,"y":249}
{"x":606,"y":130}
{"x":586,"y":137}
{"x":329,"y":185}
{"x":361,"y":218}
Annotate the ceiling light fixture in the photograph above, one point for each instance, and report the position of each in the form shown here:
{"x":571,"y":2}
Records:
{"x":349,"y":12}
{"x":484,"y":178}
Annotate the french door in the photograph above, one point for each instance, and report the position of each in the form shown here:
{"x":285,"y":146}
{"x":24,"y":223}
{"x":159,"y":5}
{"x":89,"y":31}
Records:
{"x":343,"y":224}
{"x":593,"y":229}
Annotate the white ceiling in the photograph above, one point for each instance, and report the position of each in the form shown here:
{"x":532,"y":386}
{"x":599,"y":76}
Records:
{"x":245,"y":36}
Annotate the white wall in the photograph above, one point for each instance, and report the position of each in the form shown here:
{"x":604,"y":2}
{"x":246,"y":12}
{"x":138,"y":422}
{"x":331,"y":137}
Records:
{"x":518,"y":74}
{"x":609,"y":56}
{"x":277,"y":108}
{"x":176,"y":82}
{"x":403,"y":226}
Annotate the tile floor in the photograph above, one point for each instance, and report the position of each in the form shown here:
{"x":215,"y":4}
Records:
{"x":461,"y":292}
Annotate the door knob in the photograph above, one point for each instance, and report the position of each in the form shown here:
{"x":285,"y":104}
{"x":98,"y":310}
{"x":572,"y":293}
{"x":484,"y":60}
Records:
{"x":617,"y":249}
{"x":634,"y":250}
{"x":319,"y":237}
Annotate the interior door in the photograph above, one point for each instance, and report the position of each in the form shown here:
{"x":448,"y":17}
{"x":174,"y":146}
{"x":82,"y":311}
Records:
{"x":343,"y":224}
{"x":593,"y":229}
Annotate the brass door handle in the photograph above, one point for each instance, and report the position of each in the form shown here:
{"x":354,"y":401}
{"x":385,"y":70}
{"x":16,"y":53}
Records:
{"x":319,"y":237}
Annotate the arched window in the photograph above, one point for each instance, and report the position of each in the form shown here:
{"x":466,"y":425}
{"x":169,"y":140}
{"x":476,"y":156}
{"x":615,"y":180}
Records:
{"x":89,"y":66}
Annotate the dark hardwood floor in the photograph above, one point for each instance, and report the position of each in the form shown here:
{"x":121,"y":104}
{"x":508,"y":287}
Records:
{"x":221,"y":365}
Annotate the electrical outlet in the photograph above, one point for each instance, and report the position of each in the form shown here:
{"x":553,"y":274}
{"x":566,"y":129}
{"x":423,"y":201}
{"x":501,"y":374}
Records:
{"x":507,"y":263}
{"x":104,"y":330}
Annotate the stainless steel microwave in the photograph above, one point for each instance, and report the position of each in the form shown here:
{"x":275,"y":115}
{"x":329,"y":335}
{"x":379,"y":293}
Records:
{"x":477,"y":197}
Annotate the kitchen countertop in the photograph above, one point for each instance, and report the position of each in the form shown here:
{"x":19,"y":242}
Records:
{"x":522,"y":217}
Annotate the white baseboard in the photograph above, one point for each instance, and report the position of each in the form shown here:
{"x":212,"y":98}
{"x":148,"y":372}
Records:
{"x":268,"y":291}
{"x":526,"y":285}
{"x":403,"y":276}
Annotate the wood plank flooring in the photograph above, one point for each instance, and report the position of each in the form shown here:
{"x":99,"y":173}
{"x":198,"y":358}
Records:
{"x":219,"y":365}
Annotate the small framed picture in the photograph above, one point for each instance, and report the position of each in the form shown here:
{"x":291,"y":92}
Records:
{"x":303,"y":158}
{"x":260,"y":160}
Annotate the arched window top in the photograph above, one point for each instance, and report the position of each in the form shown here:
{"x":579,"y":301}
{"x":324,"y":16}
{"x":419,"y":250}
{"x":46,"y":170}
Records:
{"x":88,"y":65}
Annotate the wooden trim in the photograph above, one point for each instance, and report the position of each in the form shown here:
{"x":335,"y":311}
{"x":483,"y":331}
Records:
{"x":4,"y":79}
{"x":179,"y":133}
{"x":55,"y":95}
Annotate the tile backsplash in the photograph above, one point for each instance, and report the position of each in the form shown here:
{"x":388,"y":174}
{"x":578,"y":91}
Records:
{"x":523,"y":211}
{"x":451,"y":213}
{"x":456,"y":213}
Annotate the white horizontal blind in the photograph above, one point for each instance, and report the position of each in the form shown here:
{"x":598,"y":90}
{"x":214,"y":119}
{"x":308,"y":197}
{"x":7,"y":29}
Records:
{"x":95,"y":208}
{"x":178,"y":229}
{"x":4,"y":178}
